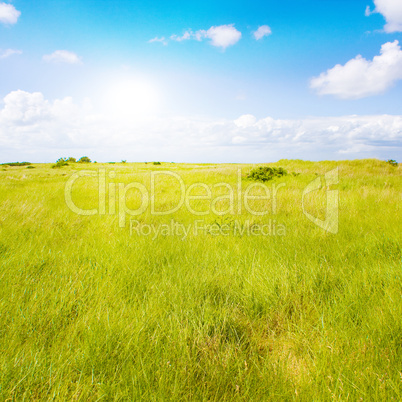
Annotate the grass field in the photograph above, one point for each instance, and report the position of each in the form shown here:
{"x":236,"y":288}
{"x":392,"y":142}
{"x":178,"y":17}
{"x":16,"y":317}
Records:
{"x":93,"y":311}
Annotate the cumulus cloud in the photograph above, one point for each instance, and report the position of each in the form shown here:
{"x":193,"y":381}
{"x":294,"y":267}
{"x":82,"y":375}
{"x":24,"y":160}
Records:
{"x":221,"y":36}
{"x":262,"y":31}
{"x":8,"y":52}
{"x":62,"y":56}
{"x":247,"y":120}
{"x":8,"y":14}
{"x":24,"y":108}
{"x":359,"y":77}
{"x":32,"y":127}
{"x":392,"y":12}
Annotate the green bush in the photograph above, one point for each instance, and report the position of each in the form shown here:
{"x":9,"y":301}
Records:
{"x":265,"y":173}
{"x":71,"y":159}
{"x":392,"y":162}
{"x":30,"y":167}
{"x":60,"y":163}
{"x":84,"y":159}
{"x":157,"y":163}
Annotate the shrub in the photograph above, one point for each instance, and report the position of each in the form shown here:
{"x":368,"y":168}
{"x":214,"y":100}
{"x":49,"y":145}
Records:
{"x":30,"y":167}
{"x":71,"y":159}
{"x":157,"y":163}
{"x":84,"y":159}
{"x":123,"y":161}
{"x":392,"y":162}
{"x":265,"y":173}
{"x":60,"y":163}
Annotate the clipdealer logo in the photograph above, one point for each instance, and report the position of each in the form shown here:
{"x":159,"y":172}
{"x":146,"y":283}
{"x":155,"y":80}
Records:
{"x":112,"y":197}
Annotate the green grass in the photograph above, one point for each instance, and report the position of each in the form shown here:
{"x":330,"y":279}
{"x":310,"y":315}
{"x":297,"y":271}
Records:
{"x":90,"y":311}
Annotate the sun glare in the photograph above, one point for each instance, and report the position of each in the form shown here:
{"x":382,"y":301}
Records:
{"x":132,"y":98}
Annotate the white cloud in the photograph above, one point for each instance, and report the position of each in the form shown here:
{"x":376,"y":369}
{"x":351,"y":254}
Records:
{"x":62,"y":56}
{"x":247,"y":120}
{"x":187,"y":35}
{"x":392,"y":12}
{"x":160,"y":40}
{"x":24,"y":108}
{"x":221,"y":36}
{"x":37,"y":129}
{"x":359,"y":77}
{"x":9,"y":52}
{"x":8,"y":14}
{"x":262,"y":31}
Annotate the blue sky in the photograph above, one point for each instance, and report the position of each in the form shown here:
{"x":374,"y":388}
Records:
{"x":193,"y":81}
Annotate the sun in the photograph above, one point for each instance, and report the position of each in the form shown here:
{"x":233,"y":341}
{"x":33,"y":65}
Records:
{"x":132,"y":98}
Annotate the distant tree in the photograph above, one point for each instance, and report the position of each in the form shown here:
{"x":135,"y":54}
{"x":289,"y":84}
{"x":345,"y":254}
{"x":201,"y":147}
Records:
{"x":123,"y":161}
{"x":392,"y":162}
{"x":84,"y":159}
{"x":60,"y":163}
{"x":71,"y":159}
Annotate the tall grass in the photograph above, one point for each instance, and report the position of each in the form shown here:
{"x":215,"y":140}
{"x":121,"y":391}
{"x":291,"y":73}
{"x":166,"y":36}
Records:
{"x":90,"y":311}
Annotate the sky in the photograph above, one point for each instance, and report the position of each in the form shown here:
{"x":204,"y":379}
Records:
{"x":200,"y":81}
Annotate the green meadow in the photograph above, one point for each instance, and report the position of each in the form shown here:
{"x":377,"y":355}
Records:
{"x":226,"y":298}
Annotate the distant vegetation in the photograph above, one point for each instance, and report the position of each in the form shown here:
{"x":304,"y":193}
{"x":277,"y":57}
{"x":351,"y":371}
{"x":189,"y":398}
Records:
{"x":60,"y":163}
{"x":157,"y":163}
{"x":65,"y":161}
{"x":265,"y":173}
{"x":84,"y":159}
{"x":392,"y":162}
{"x":16,"y":164}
